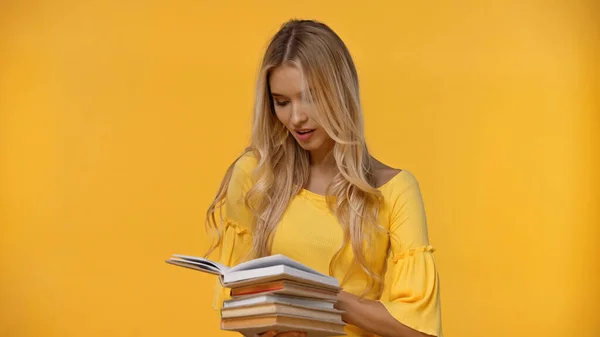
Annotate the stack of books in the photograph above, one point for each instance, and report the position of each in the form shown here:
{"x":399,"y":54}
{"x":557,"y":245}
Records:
{"x":274,"y":293}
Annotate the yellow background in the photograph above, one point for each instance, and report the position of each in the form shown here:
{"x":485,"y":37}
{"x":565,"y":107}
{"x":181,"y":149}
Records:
{"x":118,"y":119}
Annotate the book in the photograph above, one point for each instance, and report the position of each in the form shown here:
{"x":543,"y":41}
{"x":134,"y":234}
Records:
{"x":274,"y":267}
{"x":282,"y":323}
{"x":331,"y":315}
{"x":274,"y":293}
{"x":285,"y":287}
{"x":277,"y":299}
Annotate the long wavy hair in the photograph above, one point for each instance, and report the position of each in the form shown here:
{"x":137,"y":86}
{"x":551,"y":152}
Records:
{"x":283,"y":169}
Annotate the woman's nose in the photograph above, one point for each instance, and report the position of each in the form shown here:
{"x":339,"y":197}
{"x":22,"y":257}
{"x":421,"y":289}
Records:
{"x":299,"y":115}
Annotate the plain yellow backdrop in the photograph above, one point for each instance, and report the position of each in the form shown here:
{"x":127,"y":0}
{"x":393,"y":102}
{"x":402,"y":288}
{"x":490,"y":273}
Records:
{"x":118,"y":119}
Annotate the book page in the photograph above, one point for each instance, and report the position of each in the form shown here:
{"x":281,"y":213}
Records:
{"x":273,"y":260}
{"x":193,"y":265}
{"x":279,"y":271}
{"x":204,"y":263}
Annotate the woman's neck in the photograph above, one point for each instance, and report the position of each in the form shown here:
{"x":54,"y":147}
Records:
{"x":322,"y":159}
{"x":322,"y":171}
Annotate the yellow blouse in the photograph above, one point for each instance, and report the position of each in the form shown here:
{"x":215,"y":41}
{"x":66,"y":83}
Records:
{"x":310,"y":234}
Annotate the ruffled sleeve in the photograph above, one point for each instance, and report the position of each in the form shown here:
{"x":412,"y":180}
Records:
{"x":411,"y":288}
{"x":237,"y":241}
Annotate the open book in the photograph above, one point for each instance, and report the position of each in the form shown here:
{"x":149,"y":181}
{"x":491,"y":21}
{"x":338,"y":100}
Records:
{"x":274,"y":267}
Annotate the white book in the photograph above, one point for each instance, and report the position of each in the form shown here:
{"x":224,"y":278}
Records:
{"x":269,"y":267}
{"x":276,"y":299}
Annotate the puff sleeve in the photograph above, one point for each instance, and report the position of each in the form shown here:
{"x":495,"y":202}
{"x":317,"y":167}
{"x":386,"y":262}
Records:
{"x":237,"y":240}
{"x":411,"y":287}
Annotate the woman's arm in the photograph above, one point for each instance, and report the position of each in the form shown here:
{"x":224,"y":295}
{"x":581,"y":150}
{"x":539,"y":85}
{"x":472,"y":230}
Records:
{"x":372,"y":316}
{"x":410,"y":294}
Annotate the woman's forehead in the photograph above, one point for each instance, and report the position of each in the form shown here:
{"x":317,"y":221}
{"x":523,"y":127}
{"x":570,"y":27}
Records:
{"x":287,"y":80}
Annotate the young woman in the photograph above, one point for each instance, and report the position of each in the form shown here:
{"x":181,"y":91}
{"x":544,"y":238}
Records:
{"x":308,"y":188}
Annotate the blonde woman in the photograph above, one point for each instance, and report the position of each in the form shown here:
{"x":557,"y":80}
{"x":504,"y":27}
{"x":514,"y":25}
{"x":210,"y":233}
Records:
{"x":308,"y":188}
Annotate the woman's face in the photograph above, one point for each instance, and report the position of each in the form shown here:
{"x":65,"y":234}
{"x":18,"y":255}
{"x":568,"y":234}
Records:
{"x":294,"y":110}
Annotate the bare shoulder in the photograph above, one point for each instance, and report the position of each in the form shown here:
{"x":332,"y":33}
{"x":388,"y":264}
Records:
{"x":383,"y":173}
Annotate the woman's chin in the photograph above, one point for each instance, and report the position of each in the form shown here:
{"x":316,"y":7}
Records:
{"x":308,"y":146}
{"x":314,"y":144}
{"x":305,"y":147}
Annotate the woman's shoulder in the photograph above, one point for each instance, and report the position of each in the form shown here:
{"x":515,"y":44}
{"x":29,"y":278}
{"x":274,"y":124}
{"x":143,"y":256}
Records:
{"x":246,"y":162}
{"x":398,"y":187}
{"x":392,"y":181}
{"x":384,"y":174}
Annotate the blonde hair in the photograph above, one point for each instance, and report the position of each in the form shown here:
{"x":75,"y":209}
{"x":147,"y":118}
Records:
{"x":283,"y":166}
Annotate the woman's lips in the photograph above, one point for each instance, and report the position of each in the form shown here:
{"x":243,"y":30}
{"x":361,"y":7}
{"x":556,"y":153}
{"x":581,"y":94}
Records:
{"x":304,"y":135}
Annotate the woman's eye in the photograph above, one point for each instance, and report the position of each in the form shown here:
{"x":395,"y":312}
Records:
{"x":281,"y":103}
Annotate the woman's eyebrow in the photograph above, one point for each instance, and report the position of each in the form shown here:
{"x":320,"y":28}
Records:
{"x":274,"y":94}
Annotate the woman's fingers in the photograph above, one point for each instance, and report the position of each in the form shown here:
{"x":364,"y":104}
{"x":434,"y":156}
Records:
{"x":291,"y":334}
{"x":273,"y":333}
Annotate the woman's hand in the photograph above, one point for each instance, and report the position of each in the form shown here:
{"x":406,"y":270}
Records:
{"x":273,"y":333}
{"x":372,"y":316}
